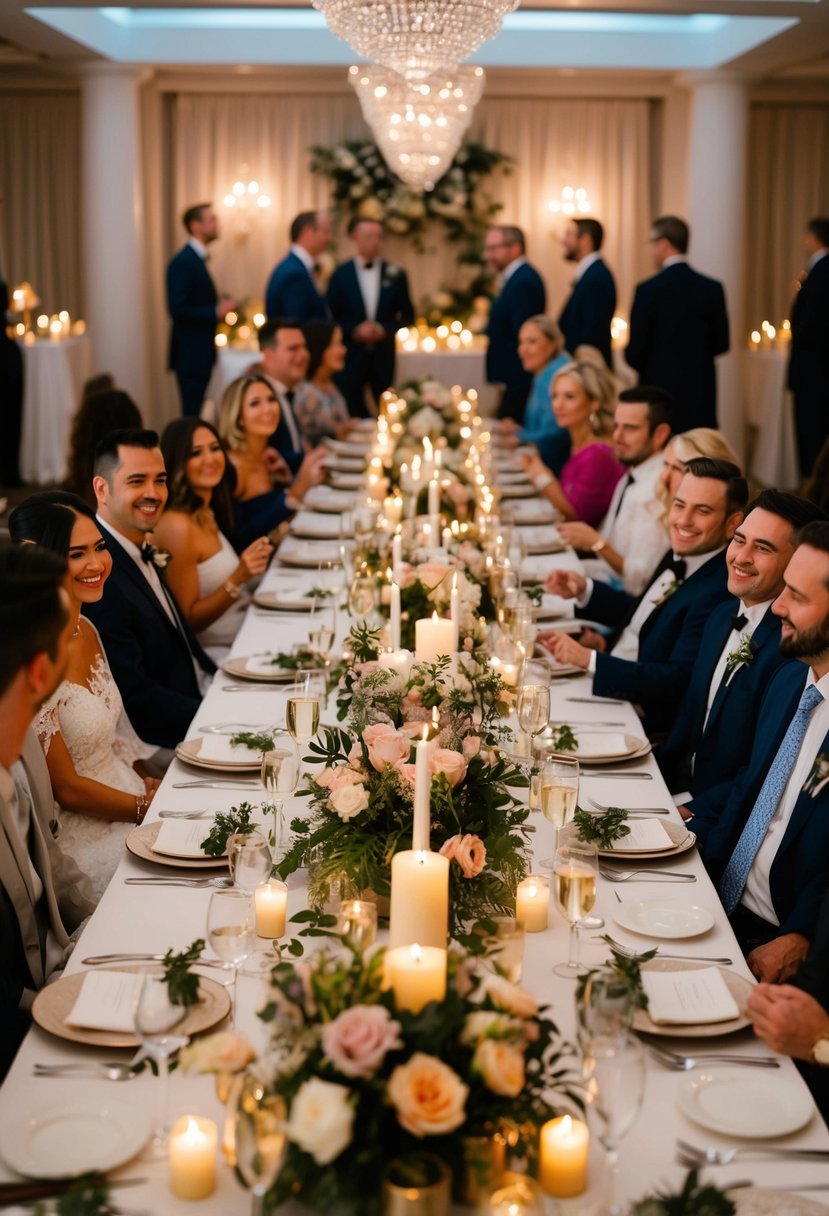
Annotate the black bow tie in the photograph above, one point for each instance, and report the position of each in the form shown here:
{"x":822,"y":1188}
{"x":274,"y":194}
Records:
{"x":739,"y":621}
{"x":368,"y":265}
{"x":148,"y":551}
{"x":678,"y":565}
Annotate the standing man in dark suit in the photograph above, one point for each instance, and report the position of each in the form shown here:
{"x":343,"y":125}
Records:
{"x":292,"y":290}
{"x":738,"y":654}
{"x":159,"y":667}
{"x":809,"y":359}
{"x":678,"y":325}
{"x":195,"y":307}
{"x":369,"y":299}
{"x":769,"y":849}
{"x":521,"y":296}
{"x":585,"y":318}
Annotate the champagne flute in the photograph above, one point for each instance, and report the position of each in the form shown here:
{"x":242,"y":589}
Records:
{"x":280,"y":776}
{"x":614,"y":1073}
{"x":558,"y":795}
{"x":231,"y":929}
{"x":259,"y":1138}
{"x":362,"y":598}
{"x":533,"y":709}
{"x":249,"y":860}
{"x":302,"y":712}
{"x":155,"y":1018}
{"x":576,"y":871}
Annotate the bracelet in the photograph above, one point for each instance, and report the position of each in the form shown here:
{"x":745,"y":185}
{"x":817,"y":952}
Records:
{"x":600,"y":544}
{"x":543,"y":480}
{"x":142,"y":802}
{"x":232,"y":590}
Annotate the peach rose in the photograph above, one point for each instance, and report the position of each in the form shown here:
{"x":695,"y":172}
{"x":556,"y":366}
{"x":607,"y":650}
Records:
{"x":428,"y":1096}
{"x":356,"y":1042}
{"x":432,"y":573}
{"x":385,"y":745}
{"x":450,"y":763}
{"x":471,"y":746}
{"x":349,"y":800}
{"x":510,"y":997}
{"x":345,"y":775}
{"x":489,"y":1024}
{"x":501,"y":1064}
{"x":222,"y":1052}
{"x":406,"y":771}
{"x":468,"y":851}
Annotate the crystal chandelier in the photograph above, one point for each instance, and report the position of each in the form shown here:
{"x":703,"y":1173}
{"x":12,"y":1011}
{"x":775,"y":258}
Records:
{"x":418,"y":125}
{"x":416,"y":38}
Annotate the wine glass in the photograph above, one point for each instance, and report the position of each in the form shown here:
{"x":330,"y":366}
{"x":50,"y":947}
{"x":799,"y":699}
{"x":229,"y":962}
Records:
{"x":302,"y":711}
{"x":280,"y":776}
{"x":231,"y":929}
{"x":614,"y":1073}
{"x":533,"y":709}
{"x":249,"y":860}
{"x":155,"y":1018}
{"x":322,"y":629}
{"x":259,"y":1137}
{"x":558,"y":795}
{"x":362,"y":597}
{"x":576,"y":872}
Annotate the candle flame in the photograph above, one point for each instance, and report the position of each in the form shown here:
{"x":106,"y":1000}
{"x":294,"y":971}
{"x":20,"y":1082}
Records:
{"x":566,"y":1126}
{"x":435,"y":616}
{"x":455,"y":581}
{"x":192,"y":1132}
{"x":425,"y":734}
{"x":533,"y":891}
{"x":416,"y":953}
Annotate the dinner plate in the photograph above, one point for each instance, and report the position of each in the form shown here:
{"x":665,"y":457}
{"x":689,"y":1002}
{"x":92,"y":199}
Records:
{"x":522,"y":490}
{"x":317,"y":525}
{"x":328,"y":500}
{"x":346,"y":481}
{"x":667,"y":919}
{"x":345,"y":464}
{"x":683,"y":841}
{"x":634,"y":748}
{"x":54,"y":1003}
{"x":72,"y":1136}
{"x":347,"y":447}
{"x":189,"y":749}
{"x":238,"y":668}
{"x":745,"y":1103}
{"x":511,"y":477}
{"x":308,"y":554}
{"x":279,"y":601}
{"x":739,"y":987}
{"x":142,"y":838}
{"x":755,"y":1201}
{"x":539,"y":512}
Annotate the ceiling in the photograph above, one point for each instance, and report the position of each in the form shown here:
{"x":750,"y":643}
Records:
{"x":762,"y":39}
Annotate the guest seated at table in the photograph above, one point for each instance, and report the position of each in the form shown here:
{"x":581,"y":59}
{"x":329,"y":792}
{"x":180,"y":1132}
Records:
{"x":91,"y":748}
{"x":654,"y":649}
{"x":100,"y":412}
{"x":249,"y":416}
{"x":319,"y":406}
{"x":283,"y":361}
{"x":542,"y":354}
{"x":679,"y":450}
{"x":768,"y":850}
{"x":582,"y":402}
{"x":44,"y":898}
{"x":631,"y":538}
{"x":206,"y":574}
{"x":738,"y":654}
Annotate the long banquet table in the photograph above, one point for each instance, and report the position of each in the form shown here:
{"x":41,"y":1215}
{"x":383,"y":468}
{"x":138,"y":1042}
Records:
{"x":134,"y":918}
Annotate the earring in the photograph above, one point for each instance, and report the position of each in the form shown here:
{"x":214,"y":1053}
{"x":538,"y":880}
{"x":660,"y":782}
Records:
{"x":595,"y":422}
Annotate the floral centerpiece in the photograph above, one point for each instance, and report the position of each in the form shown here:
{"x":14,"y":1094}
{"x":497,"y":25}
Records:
{"x":366,"y":1085}
{"x":427,"y":588}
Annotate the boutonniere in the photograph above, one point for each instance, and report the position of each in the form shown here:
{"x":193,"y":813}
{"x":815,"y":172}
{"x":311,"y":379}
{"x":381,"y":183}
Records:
{"x":160,"y":558}
{"x":740,"y":656}
{"x":818,"y":777}
{"x":672,"y":587}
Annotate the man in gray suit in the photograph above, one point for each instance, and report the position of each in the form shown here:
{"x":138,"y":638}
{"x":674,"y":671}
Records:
{"x":43,"y":896}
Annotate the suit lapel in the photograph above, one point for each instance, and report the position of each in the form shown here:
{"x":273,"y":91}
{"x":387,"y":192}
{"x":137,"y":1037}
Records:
{"x":358,"y":294}
{"x":805,"y":806}
{"x":763,"y":633}
{"x":130,"y":570}
{"x":15,"y":879}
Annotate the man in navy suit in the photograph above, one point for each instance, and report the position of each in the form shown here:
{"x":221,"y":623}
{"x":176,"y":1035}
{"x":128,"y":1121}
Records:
{"x":159,"y":667}
{"x":194,"y":305}
{"x":521,"y":296}
{"x":292,"y":290}
{"x":769,"y":848}
{"x":678,"y":325}
{"x":809,"y":358}
{"x":652,"y":655}
{"x":369,"y":299}
{"x":738,"y":654}
{"x":585,"y":318}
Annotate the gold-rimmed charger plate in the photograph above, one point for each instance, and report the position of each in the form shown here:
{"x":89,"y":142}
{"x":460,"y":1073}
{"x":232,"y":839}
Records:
{"x":307,"y":554}
{"x":739,"y":987}
{"x":142,"y":838}
{"x":683,"y":841}
{"x":278,"y":601}
{"x":238,"y":669}
{"x":54,"y":1002}
{"x":636,"y":748}
{"x":188,"y":751}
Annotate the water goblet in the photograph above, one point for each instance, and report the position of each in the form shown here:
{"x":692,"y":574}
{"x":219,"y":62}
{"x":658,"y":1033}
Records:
{"x":156,"y":1017}
{"x":259,"y":1138}
{"x":249,"y":860}
{"x":231,"y":929}
{"x":614,"y":1073}
{"x":576,"y":872}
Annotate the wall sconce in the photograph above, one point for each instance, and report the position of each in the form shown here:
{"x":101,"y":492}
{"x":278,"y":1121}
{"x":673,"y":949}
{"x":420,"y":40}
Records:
{"x":571,"y":202}
{"x":242,"y":200}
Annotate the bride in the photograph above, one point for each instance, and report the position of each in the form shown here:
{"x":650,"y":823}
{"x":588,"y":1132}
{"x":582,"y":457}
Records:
{"x":90,"y":745}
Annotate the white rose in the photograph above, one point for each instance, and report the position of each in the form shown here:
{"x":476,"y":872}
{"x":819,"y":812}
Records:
{"x":349,"y":800}
{"x":321,"y":1119}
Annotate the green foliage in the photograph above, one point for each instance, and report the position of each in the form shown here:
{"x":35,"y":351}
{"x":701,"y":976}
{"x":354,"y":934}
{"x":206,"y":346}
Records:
{"x":604,"y":829}
{"x":693,"y":1200}
{"x":629,"y":973}
{"x":182,"y":983}
{"x":249,"y":739}
{"x":563,"y":739}
{"x":237,"y":819}
{"x":302,"y":659}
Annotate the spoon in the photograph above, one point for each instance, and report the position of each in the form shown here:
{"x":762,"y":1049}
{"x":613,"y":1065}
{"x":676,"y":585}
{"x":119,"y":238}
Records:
{"x":111,"y":1071}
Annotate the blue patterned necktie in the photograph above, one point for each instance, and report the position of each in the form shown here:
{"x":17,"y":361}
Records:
{"x":737,"y":871}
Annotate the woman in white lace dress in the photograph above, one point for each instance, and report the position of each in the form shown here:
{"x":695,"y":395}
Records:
{"x":206,"y":574}
{"x":90,"y":745}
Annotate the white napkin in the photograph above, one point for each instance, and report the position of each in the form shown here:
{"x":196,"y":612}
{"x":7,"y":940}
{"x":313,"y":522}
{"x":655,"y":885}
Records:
{"x":309,"y":552}
{"x":310,"y":523}
{"x":556,"y":605}
{"x":541,"y":538}
{"x":329,"y":497}
{"x":261,"y":664}
{"x":220,"y":749}
{"x":107,"y":1001}
{"x":182,"y":838}
{"x":539,"y":511}
{"x":598,"y":745}
{"x":646,"y":836}
{"x":691,"y":998}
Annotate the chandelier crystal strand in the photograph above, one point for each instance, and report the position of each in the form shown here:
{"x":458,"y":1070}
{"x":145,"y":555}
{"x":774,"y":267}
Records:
{"x":415,"y":38}
{"x":418,"y":125}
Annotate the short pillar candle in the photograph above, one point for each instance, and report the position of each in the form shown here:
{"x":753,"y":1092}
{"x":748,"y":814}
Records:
{"x":193,"y":1157}
{"x":563,"y":1151}
{"x":270,"y":901}
{"x":532,"y":902}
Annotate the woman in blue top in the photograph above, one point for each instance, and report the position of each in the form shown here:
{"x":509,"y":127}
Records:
{"x":542,"y":353}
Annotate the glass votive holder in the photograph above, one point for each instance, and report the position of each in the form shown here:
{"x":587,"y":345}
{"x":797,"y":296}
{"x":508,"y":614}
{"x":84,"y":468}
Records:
{"x":507,"y":951}
{"x":515,"y":1195}
{"x":358,"y":919}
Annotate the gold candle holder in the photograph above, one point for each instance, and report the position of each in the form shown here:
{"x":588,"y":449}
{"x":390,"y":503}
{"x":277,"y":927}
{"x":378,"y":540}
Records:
{"x":421,"y":1187}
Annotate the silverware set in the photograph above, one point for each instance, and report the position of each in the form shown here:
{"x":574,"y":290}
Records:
{"x":690,"y":1154}
{"x":179,"y":882}
{"x":632,"y":810}
{"x":679,"y":1063}
{"x":217,"y":785}
{"x":100,"y":960}
{"x":186,"y":814}
{"x":632,"y":952}
{"x":603,"y":772}
{"x":645,"y":875}
{"x":111,"y":1071}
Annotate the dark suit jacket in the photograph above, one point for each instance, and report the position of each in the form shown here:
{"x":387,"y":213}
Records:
{"x":191,"y":302}
{"x":372,"y":364}
{"x":585,"y":318}
{"x":799,"y":875}
{"x":668,"y":641}
{"x":809,"y":357}
{"x":721,"y":749}
{"x":291,"y":292}
{"x":149,"y":657}
{"x":678,"y":324}
{"x":523,"y":295}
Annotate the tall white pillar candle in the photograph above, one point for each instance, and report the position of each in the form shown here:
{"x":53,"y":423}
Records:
{"x":419,"y":899}
{"x":395,"y":617}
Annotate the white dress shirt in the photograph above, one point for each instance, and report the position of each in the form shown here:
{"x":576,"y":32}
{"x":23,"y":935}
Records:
{"x":197,"y":247}
{"x":754,"y":616}
{"x":368,"y":280}
{"x":633,"y":527}
{"x":585,"y":263}
{"x":757,"y":896}
{"x":510,"y":270}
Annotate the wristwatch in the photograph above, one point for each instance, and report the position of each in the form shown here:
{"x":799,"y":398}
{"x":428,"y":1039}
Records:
{"x":820,"y":1051}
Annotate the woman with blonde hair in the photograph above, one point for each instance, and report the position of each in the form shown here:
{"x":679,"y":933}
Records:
{"x":689,"y":445}
{"x":542,"y":354}
{"x":583,"y":396}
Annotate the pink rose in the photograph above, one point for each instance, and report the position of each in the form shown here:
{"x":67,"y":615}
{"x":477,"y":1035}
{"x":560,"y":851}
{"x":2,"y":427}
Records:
{"x":221,"y":1052}
{"x":385,"y":745}
{"x":450,"y":763}
{"x":406,"y":771}
{"x":501,"y":1064}
{"x":471,"y":746}
{"x":356,"y":1042}
{"x":344,"y":775}
{"x":405,"y":576}
{"x":468,"y":851}
{"x":428,"y":1096}
{"x":432,"y":573}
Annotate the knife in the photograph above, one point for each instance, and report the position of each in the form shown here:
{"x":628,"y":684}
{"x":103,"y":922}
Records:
{"x":596,"y":700}
{"x":217,"y":785}
{"x":254,"y":686}
{"x":603,"y":772}
{"x":95,"y":960}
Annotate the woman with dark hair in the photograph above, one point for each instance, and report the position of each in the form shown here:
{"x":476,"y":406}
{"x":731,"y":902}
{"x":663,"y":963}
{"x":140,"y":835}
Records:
{"x":100,"y":411}
{"x":91,"y":748}
{"x":319,"y":406}
{"x":206,"y":574}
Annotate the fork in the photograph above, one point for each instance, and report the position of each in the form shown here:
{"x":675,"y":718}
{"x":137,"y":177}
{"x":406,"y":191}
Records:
{"x":672,"y":1059}
{"x":186,"y":814}
{"x":692,"y":1155}
{"x":632,"y":952}
{"x":650,"y":810}
{"x":179,"y":882}
{"x":650,"y":875}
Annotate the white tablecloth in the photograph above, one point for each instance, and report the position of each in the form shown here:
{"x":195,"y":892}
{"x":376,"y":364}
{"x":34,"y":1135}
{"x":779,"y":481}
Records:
{"x":769,"y":409}
{"x":463,"y":367}
{"x":53,"y":376}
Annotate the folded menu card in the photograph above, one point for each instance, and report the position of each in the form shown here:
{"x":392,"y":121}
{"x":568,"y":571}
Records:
{"x":181,"y":838}
{"x":689,"y":997}
{"x":645,"y":836}
{"x":107,"y":1001}
{"x":220,"y":749}
{"x":600,"y":744}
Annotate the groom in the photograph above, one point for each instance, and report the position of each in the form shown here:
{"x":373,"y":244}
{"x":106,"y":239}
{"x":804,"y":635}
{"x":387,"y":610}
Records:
{"x":159,"y":667}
